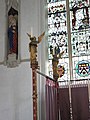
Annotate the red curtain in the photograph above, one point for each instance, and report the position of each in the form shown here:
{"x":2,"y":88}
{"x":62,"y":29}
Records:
{"x":80,"y":103}
{"x":64,"y":104}
{"x":51,"y":101}
{"x":57,"y":101}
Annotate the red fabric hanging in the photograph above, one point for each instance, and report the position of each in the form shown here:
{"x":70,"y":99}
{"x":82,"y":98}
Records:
{"x":51,"y":100}
{"x":64,"y":103}
{"x":80,"y":103}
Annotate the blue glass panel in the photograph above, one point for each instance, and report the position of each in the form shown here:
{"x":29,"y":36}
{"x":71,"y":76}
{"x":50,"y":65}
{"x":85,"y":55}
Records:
{"x":83,"y":68}
{"x":81,"y":60}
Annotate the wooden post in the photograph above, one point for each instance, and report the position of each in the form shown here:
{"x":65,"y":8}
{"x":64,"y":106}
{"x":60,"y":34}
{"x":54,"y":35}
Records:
{"x":34,"y":65}
{"x":34,"y":80}
{"x":55,"y":62}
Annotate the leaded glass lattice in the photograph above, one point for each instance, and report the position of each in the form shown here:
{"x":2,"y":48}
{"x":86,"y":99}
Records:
{"x":80,"y":43}
{"x":79,"y":10}
{"x":57,"y":33}
{"x":79,"y":35}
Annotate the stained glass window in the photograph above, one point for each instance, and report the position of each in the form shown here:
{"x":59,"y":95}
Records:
{"x":79,"y":34}
{"x":57,"y":34}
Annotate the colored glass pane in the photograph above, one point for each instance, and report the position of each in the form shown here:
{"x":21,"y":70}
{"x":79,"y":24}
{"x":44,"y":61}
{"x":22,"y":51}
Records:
{"x":80,"y":36}
{"x":80,"y":43}
{"x":79,"y":14}
{"x":58,"y":36}
{"x":60,"y":70}
{"x":83,"y":68}
{"x":57,"y":31}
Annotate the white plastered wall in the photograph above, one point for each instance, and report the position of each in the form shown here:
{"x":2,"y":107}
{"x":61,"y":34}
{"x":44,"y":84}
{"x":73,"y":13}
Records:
{"x":16,"y":83}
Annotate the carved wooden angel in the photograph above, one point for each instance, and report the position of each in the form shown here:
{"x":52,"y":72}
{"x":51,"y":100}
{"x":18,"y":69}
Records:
{"x":33,"y":46}
{"x":33,"y":39}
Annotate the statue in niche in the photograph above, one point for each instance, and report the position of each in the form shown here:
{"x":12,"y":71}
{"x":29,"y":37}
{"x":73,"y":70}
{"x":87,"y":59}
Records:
{"x":12,"y":32}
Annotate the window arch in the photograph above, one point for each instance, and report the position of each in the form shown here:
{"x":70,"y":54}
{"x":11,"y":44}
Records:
{"x":68,"y":33}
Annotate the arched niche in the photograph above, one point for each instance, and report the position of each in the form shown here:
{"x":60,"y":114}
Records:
{"x":12,"y":58}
